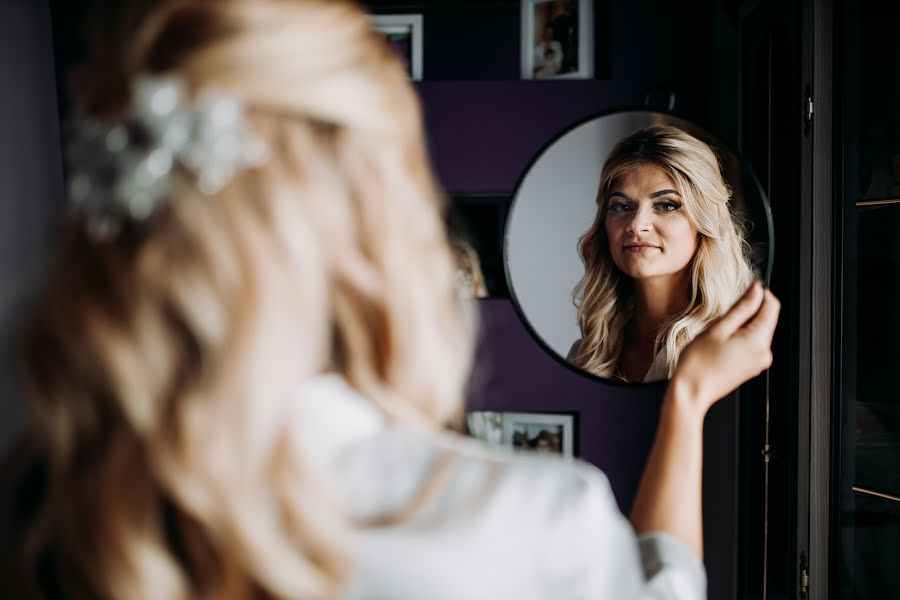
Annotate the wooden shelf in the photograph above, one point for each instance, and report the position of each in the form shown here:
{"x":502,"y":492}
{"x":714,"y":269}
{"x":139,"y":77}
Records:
{"x":878,"y":202}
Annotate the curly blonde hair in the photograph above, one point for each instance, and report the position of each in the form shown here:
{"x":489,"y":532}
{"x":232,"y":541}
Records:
{"x":720,"y":269}
{"x":162,"y":365}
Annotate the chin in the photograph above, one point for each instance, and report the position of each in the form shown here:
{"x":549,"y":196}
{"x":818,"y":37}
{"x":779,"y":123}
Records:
{"x":648,"y":271}
{"x":643,"y":274}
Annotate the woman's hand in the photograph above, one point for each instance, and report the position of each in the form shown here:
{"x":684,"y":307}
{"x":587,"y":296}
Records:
{"x":732,"y":350}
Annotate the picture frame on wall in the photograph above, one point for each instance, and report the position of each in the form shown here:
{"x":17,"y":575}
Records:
{"x":552,"y":433}
{"x":476,"y":223}
{"x":557,"y":40}
{"x":404,"y":33}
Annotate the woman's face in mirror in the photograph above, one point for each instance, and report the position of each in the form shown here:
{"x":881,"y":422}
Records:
{"x":620,"y":282}
{"x":649,"y":232}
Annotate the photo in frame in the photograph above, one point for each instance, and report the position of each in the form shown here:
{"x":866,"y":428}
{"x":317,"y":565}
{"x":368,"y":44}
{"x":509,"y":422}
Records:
{"x":404,"y":33}
{"x":552,"y":433}
{"x":557,"y":40}
{"x":478,"y":220}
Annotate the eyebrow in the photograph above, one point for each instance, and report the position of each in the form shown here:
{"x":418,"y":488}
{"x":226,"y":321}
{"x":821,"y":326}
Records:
{"x":653,"y":195}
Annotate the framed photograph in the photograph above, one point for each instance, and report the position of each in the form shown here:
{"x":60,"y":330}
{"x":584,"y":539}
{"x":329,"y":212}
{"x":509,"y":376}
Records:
{"x":557,"y":39}
{"x":552,"y":433}
{"x":477,"y":221}
{"x":404,"y":32}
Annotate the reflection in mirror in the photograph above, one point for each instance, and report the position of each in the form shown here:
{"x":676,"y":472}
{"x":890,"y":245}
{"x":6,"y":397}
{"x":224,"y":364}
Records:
{"x":474,"y":229}
{"x":470,"y":278}
{"x":627,"y":237}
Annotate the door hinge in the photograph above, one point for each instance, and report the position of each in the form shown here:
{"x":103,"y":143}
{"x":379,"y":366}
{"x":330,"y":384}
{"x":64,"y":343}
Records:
{"x":809,"y":110}
{"x":804,"y":577}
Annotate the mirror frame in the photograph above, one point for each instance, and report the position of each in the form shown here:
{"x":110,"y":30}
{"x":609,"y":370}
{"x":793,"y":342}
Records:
{"x":752,"y":183}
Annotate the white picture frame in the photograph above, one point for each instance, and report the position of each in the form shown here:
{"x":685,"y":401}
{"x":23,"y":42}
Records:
{"x":404,"y":32}
{"x":548,"y":432}
{"x":568,"y":55}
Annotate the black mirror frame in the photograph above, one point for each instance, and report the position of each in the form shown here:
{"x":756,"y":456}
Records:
{"x":753,"y":182}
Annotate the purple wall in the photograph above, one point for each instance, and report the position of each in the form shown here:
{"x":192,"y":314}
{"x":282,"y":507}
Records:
{"x":482,"y":135}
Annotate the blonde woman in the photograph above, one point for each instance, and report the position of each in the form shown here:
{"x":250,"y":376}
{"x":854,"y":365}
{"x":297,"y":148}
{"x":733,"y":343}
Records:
{"x":663,"y":259}
{"x":243,"y":361}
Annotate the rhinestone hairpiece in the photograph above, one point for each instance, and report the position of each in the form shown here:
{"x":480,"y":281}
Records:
{"x":123,"y":169}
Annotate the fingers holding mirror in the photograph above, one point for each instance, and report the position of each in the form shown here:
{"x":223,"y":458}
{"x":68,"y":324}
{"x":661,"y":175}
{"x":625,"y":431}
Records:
{"x":732,"y":350}
{"x":628,"y":235}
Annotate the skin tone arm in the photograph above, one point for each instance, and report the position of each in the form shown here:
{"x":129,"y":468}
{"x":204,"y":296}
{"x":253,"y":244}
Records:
{"x":734,"y":349}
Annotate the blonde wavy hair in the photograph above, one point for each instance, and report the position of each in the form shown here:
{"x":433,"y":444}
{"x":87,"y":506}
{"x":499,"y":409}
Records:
{"x":162,"y":366}
{"x":720,"y":269}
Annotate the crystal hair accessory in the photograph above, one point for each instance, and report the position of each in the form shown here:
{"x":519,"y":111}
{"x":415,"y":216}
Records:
{"x":123,"y":169}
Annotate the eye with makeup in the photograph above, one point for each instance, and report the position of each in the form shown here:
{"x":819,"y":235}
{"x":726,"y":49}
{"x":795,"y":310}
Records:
{"x":660,"y":206}
{"x":620,"y":206}
{"x":666,"y":206}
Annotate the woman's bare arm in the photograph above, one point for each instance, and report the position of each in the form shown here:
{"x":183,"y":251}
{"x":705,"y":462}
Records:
{"x":731,"y":351}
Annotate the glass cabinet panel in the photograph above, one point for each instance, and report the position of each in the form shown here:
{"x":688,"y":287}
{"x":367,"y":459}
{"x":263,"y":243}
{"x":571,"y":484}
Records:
{"x":868,"y":453}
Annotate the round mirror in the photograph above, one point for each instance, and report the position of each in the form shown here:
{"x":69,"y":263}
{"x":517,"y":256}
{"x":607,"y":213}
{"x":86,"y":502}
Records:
{"x":627,"y":235}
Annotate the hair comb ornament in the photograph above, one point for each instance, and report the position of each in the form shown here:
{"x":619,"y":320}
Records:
{"x":123,"y":169}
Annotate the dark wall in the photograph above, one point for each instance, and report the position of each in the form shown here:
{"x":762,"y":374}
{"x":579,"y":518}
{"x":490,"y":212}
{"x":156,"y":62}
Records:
{"x":689,"y":48}
{"x":477,"y":39}
{"x":31,"y":176}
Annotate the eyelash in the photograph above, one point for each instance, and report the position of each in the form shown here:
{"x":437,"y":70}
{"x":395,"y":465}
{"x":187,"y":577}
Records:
{"x":665,"y":206}
{"x":670,"y":206}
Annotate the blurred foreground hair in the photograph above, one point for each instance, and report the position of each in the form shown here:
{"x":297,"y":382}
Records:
{"x":162,"y":365}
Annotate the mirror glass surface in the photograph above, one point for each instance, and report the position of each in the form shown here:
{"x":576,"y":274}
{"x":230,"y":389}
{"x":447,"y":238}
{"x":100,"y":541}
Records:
{"x":662,"y":264}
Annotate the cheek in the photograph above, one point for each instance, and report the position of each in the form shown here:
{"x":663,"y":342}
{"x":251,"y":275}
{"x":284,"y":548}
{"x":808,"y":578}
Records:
{"x":681,"y":234}
{"x":613,"y":231}
{"x":614,"y":239}
{"x":612,"y":242}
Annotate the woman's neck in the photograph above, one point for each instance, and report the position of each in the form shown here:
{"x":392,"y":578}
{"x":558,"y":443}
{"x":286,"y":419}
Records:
{"x":656,"y":301}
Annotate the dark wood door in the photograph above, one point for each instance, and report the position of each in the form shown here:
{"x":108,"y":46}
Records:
{"x":772,"y":134}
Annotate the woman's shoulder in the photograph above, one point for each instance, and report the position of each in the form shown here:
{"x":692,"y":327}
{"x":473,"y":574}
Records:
{"x":554,"y":521}
{"x":528,"y":485}
{"x":574,"y":350}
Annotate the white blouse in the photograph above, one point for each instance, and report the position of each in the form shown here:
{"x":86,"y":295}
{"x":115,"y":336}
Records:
{"x":498,"y":525}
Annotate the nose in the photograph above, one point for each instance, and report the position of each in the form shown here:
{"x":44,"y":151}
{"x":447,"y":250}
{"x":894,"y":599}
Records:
{"x":641,"y":220}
